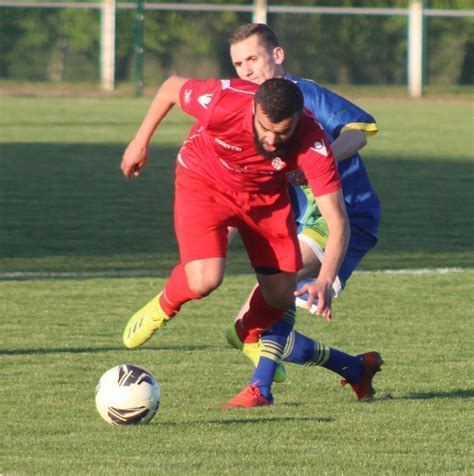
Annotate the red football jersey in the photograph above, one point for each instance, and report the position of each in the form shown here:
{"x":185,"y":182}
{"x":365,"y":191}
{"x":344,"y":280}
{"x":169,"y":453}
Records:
{"x":221,"y":147}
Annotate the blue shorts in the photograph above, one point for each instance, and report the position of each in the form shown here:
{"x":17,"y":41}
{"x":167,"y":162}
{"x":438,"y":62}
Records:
{"x":313,"y":230}
{"x":360,"y":244}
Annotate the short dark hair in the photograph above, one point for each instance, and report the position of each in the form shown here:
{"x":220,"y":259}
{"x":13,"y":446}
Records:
{"x":265,"y":35}
{"x":279,"y":99}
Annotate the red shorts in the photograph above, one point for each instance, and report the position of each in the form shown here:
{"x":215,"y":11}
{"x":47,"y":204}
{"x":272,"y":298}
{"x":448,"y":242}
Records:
{"x":203,"y":213}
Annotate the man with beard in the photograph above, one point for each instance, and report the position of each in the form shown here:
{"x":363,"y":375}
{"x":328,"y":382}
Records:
{"x":231,"y":172}
{"x":257,"y":56}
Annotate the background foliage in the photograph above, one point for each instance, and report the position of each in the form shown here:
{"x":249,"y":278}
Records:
{"x":63,"y":44}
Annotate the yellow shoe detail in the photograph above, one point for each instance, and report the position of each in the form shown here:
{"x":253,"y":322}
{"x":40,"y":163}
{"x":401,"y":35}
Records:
{"x":144,"y":323}
{"x":252,"y":351}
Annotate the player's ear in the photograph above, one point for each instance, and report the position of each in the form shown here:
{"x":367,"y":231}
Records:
{"x":278,"y":55}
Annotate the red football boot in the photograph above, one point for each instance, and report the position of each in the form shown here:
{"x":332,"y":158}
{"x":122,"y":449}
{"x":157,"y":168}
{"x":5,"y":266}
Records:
{"x":250,"y":396}
{"x":371,"y":363}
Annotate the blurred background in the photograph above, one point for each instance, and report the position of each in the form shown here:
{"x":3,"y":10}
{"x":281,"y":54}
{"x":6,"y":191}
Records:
{"x":343,"y":42}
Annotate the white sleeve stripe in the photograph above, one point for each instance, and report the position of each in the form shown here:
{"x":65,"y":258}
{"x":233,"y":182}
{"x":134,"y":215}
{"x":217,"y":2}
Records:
{"x":225,"y":83}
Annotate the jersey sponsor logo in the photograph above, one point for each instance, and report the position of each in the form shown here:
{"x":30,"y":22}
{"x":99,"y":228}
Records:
{"x":187,"y":96}
{"x":235,"y":148}
{"x":278,"y":164}
{"x":204,"y":100}
{"x":245,"y":169}
{"x":320,"y":148}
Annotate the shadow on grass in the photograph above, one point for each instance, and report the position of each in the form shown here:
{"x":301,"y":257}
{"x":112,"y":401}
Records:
{"x":460,"y":393}
{"x":35,"y":124}
{"x":98,"y":350}
{"x":71,"y":200}
{"x":245,"y":421}
{"x":273,"y":419}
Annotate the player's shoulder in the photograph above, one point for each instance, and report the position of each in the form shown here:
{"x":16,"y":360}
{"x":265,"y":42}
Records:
{"x":306,"y":84}
{"x":211,"y":91}
{"x":236,"y":94}
{"x":309,"y":122}
{"x":309,"y":131}
{"x":223,"y":84}
{"x":239,"y":86}
{"x":311,"y":88}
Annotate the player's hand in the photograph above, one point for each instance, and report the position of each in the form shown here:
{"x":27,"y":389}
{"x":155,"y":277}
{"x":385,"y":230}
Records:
{"x":322,"y":291}
{"x":297,"y":177}
{"x":134,"y":159}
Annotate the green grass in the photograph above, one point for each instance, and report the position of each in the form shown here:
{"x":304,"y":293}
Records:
{"x":60,"y":336}
{"x":61,"y":183}
{"x":64,"y":207}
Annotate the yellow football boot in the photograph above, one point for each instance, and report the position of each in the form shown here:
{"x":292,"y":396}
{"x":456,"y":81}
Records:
{"x":252,"y":351}
{"x":144,"y":323}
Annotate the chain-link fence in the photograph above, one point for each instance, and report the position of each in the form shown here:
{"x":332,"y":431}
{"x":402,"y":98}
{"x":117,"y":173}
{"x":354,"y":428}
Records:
{"x":53,"y":44}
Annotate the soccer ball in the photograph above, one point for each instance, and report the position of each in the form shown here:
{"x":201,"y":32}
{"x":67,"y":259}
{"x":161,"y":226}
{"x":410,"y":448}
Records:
{"x":127,"y":394}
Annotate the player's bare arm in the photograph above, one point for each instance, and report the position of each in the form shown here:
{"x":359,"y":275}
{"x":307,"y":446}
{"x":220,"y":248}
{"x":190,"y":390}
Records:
{"x":136,"y":154}
{"x":333,"y":210}
{"x":348,"y":143}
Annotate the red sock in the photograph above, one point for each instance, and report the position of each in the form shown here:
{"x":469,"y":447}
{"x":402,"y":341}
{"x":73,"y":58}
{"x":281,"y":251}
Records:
{"x":259,"y":317}
{"x":176,"y":292}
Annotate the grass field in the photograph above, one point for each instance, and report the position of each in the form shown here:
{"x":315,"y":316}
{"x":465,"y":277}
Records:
{"x":81,"y":249}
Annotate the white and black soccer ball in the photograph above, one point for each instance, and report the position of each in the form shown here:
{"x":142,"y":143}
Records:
{"x":127,"y":394}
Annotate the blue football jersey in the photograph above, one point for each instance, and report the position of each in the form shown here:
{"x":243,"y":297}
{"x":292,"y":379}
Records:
{"x":336,"y":115}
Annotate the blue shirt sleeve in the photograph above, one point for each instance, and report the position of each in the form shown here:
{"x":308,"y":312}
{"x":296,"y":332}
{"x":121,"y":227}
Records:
{"x":334,"y":112}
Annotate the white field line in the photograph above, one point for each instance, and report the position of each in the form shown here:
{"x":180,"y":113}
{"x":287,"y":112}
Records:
{"x":32,"y":275}
{"x":415,"y":271}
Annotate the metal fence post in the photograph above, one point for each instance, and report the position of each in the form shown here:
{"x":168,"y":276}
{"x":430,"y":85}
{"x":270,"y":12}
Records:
{"x":415,"y":48}
{"x":259,"y":11}
{"x":138,"y":42}
{"x":107,"y":45}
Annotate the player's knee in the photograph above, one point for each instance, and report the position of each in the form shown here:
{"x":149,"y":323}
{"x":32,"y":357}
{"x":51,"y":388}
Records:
{"x":278,"y":289}
{"x":204,"y":284}
{"x":281,"y":301}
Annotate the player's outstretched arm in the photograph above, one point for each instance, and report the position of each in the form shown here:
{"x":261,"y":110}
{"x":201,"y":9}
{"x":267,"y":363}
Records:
{"x":136,"y":154}
{"x":333,"y":210}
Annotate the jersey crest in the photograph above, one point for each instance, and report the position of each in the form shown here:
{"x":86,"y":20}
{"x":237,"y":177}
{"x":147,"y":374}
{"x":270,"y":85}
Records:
{"x":320,"y":148}
{"x":278,"y":164}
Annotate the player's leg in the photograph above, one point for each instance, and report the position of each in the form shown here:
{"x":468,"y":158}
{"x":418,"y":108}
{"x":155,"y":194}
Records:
{"x":275,"y":289}
{"x":250,"y":349}
{"x":304,"y":210}
{"x":273,"y":248}
{"x":313,"y":240}
{"x":201,"y":229}
{"x":356,"y":370}
{"x":312,"y":257}
{"x":269,"y":236}
{"x":312,"y":254}
{"x":302,"y":350}
{"x":194,"y":280}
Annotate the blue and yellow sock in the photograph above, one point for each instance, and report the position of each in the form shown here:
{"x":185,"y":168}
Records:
{"x":347,"y":366}
{"x":302,"y":350}
{"x":273,"y":344}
